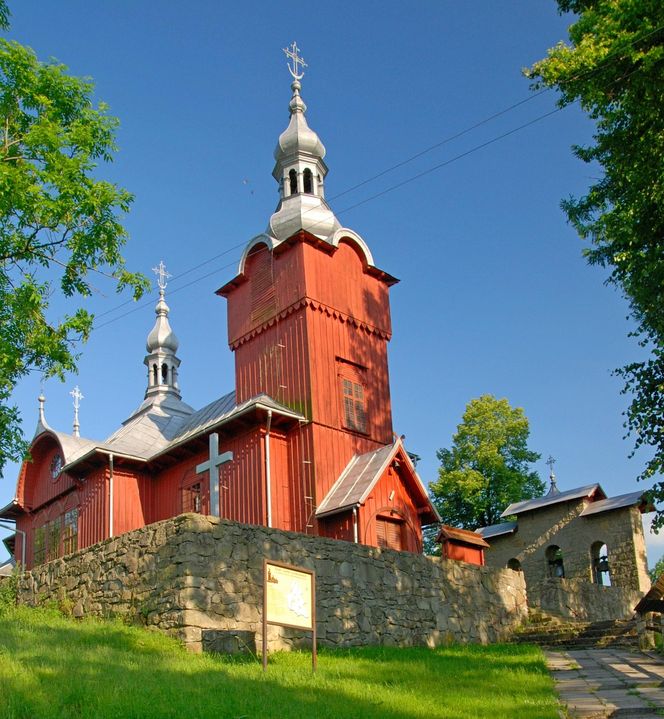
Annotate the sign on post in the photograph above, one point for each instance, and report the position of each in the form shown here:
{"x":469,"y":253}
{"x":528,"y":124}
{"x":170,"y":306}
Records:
{"x":289,"y":600}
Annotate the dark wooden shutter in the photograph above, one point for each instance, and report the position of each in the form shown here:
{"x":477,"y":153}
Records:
{"x":389,"y":533}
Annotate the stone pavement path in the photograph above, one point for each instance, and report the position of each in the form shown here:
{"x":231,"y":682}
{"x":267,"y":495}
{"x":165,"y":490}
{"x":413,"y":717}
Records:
{"x":608,"y":683}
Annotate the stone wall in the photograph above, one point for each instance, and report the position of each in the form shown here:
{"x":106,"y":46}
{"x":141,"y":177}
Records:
{"x":576,"y":599}
{"x":200,"y":579}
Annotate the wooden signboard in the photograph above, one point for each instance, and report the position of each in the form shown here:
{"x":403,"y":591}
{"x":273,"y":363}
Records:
{"x":289,"y":600}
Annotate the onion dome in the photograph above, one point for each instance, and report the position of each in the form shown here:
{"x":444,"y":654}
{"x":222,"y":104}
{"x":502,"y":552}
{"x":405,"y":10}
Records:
{"x":162,"y":336}
{"x":298,"y":137}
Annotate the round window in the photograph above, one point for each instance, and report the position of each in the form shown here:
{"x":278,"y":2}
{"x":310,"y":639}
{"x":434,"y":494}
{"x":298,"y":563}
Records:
{"x":56,"y":466}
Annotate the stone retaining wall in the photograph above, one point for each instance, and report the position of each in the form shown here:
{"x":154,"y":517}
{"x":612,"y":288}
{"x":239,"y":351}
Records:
{"x":576,"y":599}
{"x":200,"y":579}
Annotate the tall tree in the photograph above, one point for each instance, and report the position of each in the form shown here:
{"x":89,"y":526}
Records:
{"x":488,"y":466}
{"x":614,"y":67}
{"x":58,"y":221}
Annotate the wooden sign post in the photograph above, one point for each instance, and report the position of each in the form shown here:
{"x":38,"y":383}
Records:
{"x":289,"y":600}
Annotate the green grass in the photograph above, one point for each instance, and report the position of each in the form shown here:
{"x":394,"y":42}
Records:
{"x":51,"y":666}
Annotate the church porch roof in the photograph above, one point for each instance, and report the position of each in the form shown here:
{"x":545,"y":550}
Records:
{"x":153,"y":435}
{"x":361,"y":475}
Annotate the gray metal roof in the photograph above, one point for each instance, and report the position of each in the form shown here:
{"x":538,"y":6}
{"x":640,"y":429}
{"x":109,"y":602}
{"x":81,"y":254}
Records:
{"x":606,"y":505}
{"x":497,"y":530}
{"x":551,"y":499}
{"x":356,"y":480}
{"x":159,"y":427}
{"x":359,"y":477}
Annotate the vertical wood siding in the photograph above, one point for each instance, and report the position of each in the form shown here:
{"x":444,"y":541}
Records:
{"x":241,"y":486}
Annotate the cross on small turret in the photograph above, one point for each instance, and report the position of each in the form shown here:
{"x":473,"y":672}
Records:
{"x":553,"y":489}
{"x":162,"y":276}
{"x":78,"y":396}
{"x":551,"y":461}
{"x":292,"y":53}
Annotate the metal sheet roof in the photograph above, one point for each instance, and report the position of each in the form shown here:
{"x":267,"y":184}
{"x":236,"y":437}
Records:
{"x":550,"y":499}
{"x":606,"y":505}
{"x":497,"y":530}
{"x":361,"y":473}
{"x":159,"y":427}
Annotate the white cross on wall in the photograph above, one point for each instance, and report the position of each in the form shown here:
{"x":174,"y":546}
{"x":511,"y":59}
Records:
{"x":210,"y":466}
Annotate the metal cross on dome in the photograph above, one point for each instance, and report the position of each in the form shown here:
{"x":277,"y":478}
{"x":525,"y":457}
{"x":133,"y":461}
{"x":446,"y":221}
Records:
{"x":292,"y":53}
{"x":551,"y":461}
{"x":162,"y":275}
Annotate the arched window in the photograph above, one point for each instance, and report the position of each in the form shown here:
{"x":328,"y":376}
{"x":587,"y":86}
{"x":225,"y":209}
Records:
{"x":554,"y":559}
{"x":308,"y":181}
{"x":599,"y":562}
{"x":514,"y":564}
{"x":292,"y":178}
{"x":155,"y":375}
{"x":164,"y":373}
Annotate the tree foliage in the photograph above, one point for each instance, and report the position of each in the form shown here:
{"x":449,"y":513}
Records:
{"x":614,"y":67}
{"x":58,"y":221}
{"x":657,"y":570}
{"x":488,"y":466}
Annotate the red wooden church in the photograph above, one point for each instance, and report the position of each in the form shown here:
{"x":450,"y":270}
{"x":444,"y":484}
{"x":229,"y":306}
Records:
{"x":303,"y":443}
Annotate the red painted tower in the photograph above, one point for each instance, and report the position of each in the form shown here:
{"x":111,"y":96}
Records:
{"x":309,"y":323}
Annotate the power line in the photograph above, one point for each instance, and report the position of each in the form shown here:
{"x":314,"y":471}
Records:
{"x":607,"y":61}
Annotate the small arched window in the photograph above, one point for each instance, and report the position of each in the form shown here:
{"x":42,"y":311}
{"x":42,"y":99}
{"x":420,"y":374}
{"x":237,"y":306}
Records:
{"x":155,"y":375}
{"x":514,"y":564}
{"x":599,"y":556}
{"x":292,"y":178}
{"x":554,"y":559}
{"x":164,"y":373}
{"x":308,"y":181}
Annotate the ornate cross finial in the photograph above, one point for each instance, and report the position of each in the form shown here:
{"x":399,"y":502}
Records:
{"x":551,"y":461}
{"x":292,"y":53}
{"x":162,"y":276}
{"x":78,"y":396}
{"x":553,"y":489}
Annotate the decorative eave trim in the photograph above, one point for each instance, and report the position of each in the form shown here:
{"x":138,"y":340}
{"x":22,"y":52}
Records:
{"x":304,"y":303}
{"x":329,"y":246}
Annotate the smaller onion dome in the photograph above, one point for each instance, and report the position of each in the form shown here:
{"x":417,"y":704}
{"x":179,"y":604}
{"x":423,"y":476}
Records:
{"x":161,"y":336}
{"x":298,"y":137}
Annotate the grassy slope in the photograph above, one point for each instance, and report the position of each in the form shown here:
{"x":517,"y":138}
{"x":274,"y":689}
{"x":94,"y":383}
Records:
{"x":53,"y":667}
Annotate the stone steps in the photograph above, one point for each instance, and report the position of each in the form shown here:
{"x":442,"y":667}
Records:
{"x":566,"y":634}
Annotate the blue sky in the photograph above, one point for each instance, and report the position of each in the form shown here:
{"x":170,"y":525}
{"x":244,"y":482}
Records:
{"x":495,"y":296}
